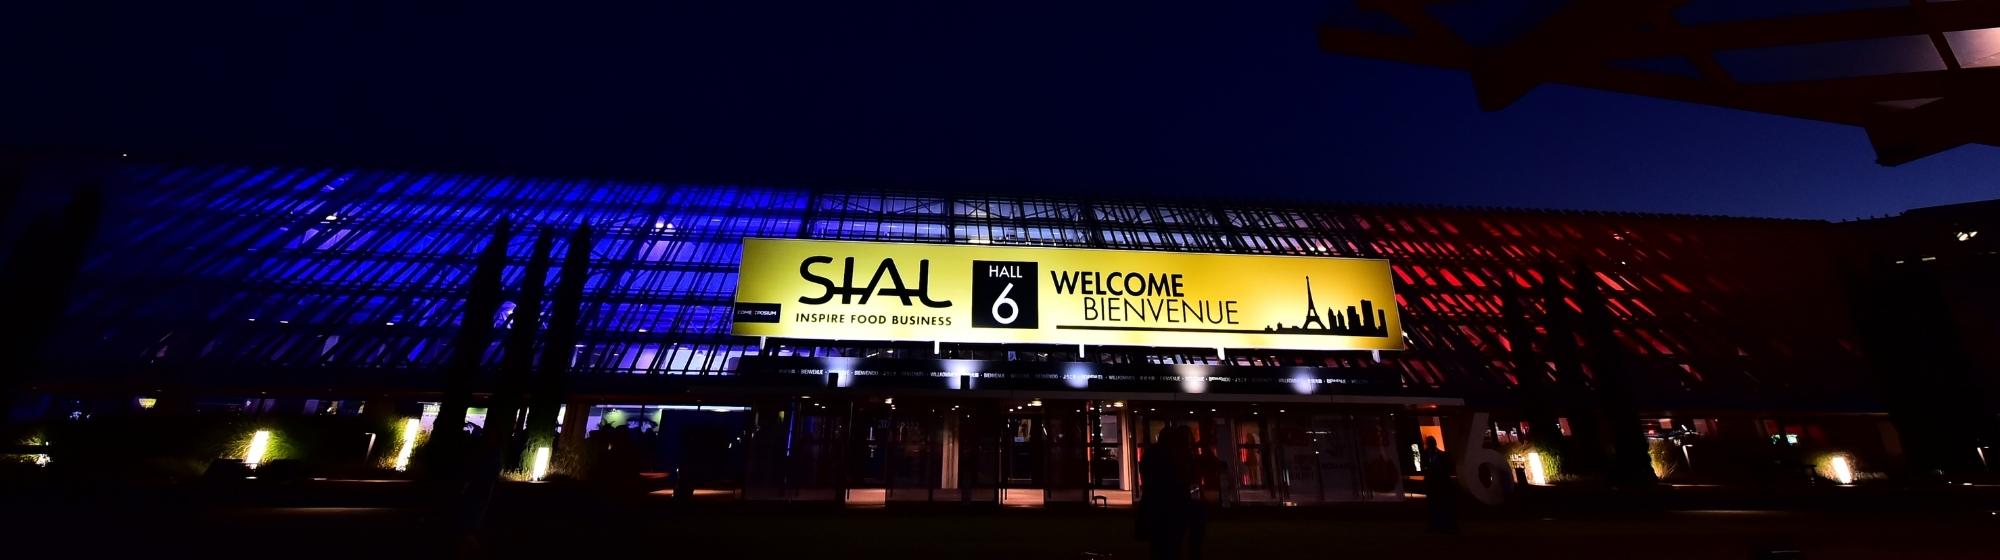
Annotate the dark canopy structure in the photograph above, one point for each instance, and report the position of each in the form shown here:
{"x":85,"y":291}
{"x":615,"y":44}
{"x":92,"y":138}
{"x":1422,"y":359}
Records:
{"x":1919,"y":76}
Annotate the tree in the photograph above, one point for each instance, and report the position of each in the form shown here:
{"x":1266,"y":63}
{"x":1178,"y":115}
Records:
{"x":559,"y":345}
{"x":503,"y":417}
{"x":475,"y":332}
{"x":1631,"y":464}
{"x":38,"y":273}
{"x":1584,"y":451}
{"x":1530,"y":373}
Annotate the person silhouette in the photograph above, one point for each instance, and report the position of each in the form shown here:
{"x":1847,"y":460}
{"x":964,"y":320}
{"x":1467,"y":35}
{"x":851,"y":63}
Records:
{"x":1167,"y":478}
{"x":1440,"y":495}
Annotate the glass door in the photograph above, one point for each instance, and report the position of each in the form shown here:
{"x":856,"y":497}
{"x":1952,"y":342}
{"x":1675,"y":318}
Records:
{"x":1335,"y":458}
{"x":1022,"y":462}
{"x":868,"y":448}
{"x":1066,"y":449}
{"x":914,"y":456}
{"x":1252,"y":458}
{"x":984,"y":441}
{"x":795,"y":452}
{"x":1106,"y":438}
{"x":1339,"y":463}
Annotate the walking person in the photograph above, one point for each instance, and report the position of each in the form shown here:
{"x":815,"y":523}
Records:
{"x":1167,"y":479}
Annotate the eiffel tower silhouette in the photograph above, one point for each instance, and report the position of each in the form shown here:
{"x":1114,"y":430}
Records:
{"x":1365,"y":321}
{"x":1312,"y":311}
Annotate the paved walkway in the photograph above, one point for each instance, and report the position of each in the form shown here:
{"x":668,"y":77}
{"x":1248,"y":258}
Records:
{"x":522,"y":528}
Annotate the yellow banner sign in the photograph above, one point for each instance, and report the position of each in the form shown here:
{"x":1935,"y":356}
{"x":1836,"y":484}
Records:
{"x":843,"y":290}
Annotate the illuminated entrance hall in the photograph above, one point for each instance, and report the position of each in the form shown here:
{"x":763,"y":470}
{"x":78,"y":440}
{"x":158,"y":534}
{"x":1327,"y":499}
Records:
{"x":1061,"y":452}
{"x":240,"y":283}
{"x":891,"y":441}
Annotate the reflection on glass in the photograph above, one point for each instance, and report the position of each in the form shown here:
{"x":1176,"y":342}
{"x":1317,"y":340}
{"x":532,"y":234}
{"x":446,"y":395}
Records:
{"x":1975,"y":47}
{"x":1250,"y":453}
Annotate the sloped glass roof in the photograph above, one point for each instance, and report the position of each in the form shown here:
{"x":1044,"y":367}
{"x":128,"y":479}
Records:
{"x":1494,"y":22}
{"x":1696,"y":12}
{"x":1975,"y":48}
{"x":1839,"y":59}
{"x":1842,"y":61}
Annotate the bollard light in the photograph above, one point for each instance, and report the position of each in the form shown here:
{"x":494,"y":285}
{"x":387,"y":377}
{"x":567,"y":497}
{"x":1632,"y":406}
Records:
{"x":1842,"y":471}
{"x":540,"y":469}
{"x":409,"y":445}
{"x":260,"y":442}
{"x":1536,"y":475}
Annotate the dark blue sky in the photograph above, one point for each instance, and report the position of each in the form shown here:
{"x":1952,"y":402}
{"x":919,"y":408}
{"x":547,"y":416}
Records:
{"x":1175,"y":98}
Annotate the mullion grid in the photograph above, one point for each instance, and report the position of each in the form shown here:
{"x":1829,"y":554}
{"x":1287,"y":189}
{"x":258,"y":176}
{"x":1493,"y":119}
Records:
{"x":402,"y":245}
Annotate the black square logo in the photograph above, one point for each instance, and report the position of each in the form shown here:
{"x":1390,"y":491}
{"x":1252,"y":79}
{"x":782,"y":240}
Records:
{"x":1004,"y":294}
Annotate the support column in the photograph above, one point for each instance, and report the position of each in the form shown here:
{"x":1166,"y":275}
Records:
{"x":1126,"y":462}
{"x":569,"y":450}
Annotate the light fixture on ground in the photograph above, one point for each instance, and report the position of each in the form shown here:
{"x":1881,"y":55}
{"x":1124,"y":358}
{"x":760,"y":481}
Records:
{"x":1537,"y":474}
{"x":411,"y":427}
{"x":260,"y":443}
{"x":540,"y":469}
{"x":1842,"y":470}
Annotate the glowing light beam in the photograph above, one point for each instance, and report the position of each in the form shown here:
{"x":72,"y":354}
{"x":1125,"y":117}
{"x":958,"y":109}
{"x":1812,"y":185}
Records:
{"x":411,"y":427}
{"x":1537,"y":474}
{"x":540,"y":469}
{"x":1843,"y":472}
{"x":260,"y":443}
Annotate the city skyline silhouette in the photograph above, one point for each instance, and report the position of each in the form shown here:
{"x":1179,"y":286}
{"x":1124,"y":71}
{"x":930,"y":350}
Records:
{"x":1363,"y":321}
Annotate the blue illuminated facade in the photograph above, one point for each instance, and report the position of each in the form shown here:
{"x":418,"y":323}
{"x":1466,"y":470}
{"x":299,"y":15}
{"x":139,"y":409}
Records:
{"x":283,"y":268}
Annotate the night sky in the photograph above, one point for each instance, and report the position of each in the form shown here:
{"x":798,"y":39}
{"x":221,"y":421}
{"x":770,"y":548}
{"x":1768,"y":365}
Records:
{"x":1201,"y":100}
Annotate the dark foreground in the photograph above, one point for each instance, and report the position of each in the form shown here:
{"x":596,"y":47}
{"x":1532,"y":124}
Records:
{"x":557,"y":526}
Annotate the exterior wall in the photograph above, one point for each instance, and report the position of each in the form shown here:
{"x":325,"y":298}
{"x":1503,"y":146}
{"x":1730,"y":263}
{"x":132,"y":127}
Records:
{"x":262,"y":278}
{"x":1923,"y":284}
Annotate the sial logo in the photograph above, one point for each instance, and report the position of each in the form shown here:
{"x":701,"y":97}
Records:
{"x":847,"y":291}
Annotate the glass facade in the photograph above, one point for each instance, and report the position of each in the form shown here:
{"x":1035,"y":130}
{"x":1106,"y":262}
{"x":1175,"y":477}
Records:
{"x":287,"y":288}
{"x":281,"y":275}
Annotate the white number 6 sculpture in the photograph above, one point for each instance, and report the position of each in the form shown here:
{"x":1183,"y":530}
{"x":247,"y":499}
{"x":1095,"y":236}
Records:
{"x":1490,"y":486}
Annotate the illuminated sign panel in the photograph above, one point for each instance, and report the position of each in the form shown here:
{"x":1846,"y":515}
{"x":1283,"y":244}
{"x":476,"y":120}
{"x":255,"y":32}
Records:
{"x":843,"y":290}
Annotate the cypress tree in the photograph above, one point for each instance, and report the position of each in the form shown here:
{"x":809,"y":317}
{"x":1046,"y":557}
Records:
{"x":1530,"y":372}
{"x":1631,"y":463}
{"x":1584,"y":451}
{"x":503,"y":418}
{"x":475,"y":332}
{"x":559,"y":346}
{"x":39,"y":272}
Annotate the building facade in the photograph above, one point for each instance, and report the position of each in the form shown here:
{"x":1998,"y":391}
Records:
{"x":262,"y":289}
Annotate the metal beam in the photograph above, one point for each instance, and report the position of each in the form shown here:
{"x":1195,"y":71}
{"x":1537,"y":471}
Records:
{"x":1577,"y":46}
{"x":1902,"y":135}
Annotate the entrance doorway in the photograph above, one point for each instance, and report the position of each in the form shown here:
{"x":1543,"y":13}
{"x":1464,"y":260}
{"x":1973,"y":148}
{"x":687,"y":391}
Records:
{"x":1022,"y":462}
{"x":1338,"y":458}
{"x":1262,"y":453}
{"x":1046,"y":454}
